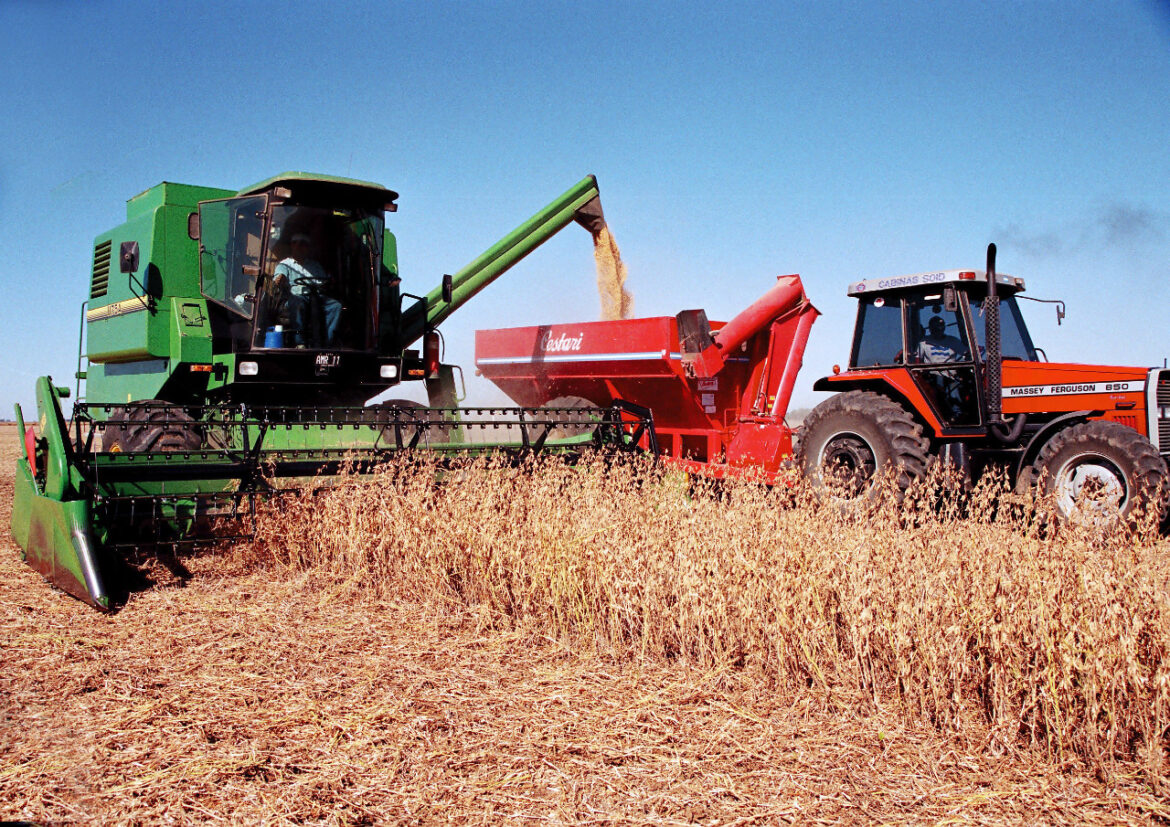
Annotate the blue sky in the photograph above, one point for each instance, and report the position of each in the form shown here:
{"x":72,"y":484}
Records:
{"x":733,"y":142}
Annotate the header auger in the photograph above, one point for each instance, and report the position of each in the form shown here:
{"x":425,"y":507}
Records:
{"x":232,"y":339}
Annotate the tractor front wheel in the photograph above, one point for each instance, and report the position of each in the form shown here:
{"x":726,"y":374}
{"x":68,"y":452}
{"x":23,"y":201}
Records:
{"x":849,"y":439}
{"x":1099,"y":471}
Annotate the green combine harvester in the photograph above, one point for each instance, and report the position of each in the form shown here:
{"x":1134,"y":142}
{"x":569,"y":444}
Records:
{"x":231,"y":341}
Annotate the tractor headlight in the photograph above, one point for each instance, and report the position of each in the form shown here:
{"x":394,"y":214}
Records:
{"x":388,"y":371}
{"x":248,"y":368}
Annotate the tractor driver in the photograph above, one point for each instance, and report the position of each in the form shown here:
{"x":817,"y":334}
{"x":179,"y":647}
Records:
{"x":306,"y":281}
{"x":936,"y":346}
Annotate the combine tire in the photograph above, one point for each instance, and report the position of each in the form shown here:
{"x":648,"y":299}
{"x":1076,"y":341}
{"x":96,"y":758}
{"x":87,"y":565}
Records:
{"x":850,"y":438}
{"x":570,"y":430}
{"x":1099,"y":471}
{"x":151,"y":426}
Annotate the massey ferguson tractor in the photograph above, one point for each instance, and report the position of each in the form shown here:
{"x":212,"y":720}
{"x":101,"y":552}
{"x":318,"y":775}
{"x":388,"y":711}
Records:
{"x":942,"y":366}
{"x":231,"y":339}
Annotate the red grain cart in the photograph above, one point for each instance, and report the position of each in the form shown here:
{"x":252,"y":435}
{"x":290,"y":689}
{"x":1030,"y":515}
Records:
{"x":718,"y":391}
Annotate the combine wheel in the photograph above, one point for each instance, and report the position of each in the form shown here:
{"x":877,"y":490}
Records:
{"x":151,"y":425}
{"x":438,"y":430}
{"x":570,"y":430}
{"x":1099,"y":471}
{"x":848,"y":439}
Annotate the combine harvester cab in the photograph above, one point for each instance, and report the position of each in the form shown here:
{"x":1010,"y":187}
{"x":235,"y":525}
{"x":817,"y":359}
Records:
{"x":719,"y":391}
{"x":231,"y":360}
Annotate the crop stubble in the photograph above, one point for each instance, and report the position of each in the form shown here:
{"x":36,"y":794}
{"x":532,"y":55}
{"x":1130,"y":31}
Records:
{"x":322,"y":690}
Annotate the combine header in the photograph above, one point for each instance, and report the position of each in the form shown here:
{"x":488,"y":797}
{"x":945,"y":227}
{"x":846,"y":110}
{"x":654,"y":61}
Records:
{"x":232,"y":339}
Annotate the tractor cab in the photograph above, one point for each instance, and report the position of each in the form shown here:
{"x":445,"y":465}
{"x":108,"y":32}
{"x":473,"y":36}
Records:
{"x":933,"y":325}
{"x":296,"y":262}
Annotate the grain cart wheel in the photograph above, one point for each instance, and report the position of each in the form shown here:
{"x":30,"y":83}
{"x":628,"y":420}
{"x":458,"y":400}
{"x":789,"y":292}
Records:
{"x":151,"y":425}
{"x":1099,"y":471}
{"x":570,"y":430}
{"x":438,"y":428}
{"x":850,"y":438}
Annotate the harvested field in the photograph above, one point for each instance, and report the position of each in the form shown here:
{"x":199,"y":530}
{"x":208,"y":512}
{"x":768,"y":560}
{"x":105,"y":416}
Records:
{"x":510,"y":670}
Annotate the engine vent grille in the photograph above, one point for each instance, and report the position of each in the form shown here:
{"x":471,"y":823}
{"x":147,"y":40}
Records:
{"x":101,"y":270}
{"x":1164,"y":411}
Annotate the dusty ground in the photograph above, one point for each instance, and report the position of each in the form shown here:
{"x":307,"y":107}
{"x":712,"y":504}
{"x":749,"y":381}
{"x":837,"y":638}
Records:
{"x":249,"y":694}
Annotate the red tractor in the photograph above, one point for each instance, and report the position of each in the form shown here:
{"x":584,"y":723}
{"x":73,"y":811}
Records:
{"x":942,"y":366}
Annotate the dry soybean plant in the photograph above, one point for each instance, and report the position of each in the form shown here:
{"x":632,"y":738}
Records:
{"x":941,"y":602}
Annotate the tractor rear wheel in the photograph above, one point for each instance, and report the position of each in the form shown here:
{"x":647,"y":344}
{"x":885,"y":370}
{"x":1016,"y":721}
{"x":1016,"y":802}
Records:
{"x":574,"y":427}
{"x":151,"y":426}
{"x":1099,"y":471}
{"x":848,"y":440}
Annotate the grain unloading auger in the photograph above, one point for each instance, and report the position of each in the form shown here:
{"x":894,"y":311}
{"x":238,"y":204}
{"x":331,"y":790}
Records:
{"x":232,"y":358}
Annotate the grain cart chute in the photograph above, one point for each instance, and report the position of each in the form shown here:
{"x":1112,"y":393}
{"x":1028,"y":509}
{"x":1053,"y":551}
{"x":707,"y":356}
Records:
{"x":718,"y":391}
{"x":942,"y":365}
{"x":232,"y":339}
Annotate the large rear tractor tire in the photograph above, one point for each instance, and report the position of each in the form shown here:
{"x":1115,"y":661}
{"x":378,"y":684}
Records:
{"x":848,"y":440}
{"x":151,"y":426}
{"x":575,"y":427}
{"x":1101,"y":471}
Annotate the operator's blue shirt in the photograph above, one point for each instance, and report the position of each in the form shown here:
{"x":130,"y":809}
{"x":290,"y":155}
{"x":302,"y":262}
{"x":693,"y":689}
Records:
{"x":306,"y":271}
{"x":935,"y":350}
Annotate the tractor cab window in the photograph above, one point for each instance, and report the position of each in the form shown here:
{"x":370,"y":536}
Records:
{"x":878,"y":340}
{"x":936,"y":335}
{"x":230,"y":239}
{"x":1015,"y":342}
{"x":319,"y":279}
{"x":939,"y":355}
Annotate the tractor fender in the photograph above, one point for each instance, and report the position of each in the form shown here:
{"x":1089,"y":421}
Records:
{"x":1046,"y":432}
{"x":897,"y":384}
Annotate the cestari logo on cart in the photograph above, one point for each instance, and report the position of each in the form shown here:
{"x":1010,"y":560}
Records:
{"x":561,"y":343}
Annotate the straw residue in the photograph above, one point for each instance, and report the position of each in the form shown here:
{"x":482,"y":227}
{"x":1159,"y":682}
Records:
{"x":616,"y":301}
{"x":544,"y":645}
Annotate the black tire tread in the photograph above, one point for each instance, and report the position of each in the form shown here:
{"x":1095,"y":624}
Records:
{"x":1150,"y":471}
{"x":153,"y":426}
{"x":910,"y":449}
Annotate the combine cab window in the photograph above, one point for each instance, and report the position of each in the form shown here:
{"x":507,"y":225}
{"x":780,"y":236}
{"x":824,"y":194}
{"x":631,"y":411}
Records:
{"x":878,"y":340}
{"x":231,"y":235}
{"x":318,"y":288}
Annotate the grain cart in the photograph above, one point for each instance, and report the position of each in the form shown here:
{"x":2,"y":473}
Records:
{"x":231,"y":340}
{"x":942,"y":365}
{"x":719,"y":391}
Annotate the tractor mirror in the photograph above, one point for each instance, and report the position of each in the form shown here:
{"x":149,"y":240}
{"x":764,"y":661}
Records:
{"x":950,"y":299}
{"x":448,"y":289}
{"x":128,"y":257}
